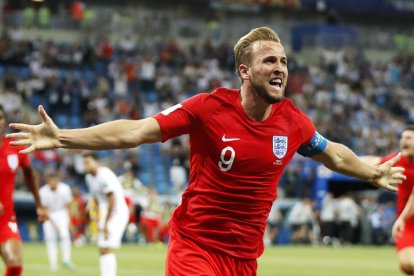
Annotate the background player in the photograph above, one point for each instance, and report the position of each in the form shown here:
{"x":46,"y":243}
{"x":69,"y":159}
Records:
{"x":107,"y":191}
{"x":10,"y":161}
{"x":56,"y":196}
{"x":240,"y":140}
{"x":403,"y":230}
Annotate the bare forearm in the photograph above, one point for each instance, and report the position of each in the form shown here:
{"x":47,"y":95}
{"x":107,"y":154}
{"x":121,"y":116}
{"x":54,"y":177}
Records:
{"x":408,"y":209}
{"x":32,"y":185}
{"x":345,"y":161}
{"x":118,"y":134}
{"x":111,"y":203}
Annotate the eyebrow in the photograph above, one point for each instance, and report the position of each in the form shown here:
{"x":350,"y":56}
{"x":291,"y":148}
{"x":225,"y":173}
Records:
{"x":272,"y":58}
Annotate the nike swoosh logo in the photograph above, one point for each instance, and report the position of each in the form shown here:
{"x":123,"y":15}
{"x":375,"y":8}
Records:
{"x":224,"y":139}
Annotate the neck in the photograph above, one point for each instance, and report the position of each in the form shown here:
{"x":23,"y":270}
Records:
{"x":254,"y":106}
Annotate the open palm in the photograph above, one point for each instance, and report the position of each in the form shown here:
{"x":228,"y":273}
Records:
{"x":36,"y":137}
{"x":390,"y":176}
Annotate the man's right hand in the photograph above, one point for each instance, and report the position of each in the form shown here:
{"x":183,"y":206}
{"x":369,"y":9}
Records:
{"x":42,"y":214}
{"x":1,"y":208}
{"x":36,"y":137}
{"x":398,"y":227}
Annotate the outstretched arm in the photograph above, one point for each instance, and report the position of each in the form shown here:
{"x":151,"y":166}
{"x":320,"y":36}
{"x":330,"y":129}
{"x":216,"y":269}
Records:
{"x":340,"y":158}
{"x":118,"y":134}
{"x":370,"y":159}
{"x":408,"y":212}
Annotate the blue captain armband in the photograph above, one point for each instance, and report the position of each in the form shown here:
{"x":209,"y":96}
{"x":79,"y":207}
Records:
{"x":316,"y":145}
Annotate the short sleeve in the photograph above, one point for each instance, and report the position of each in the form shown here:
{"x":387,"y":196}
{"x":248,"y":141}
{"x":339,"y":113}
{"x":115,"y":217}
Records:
{"x":42,"y":194}
{"x":107,"y":187}
{"x":24,"y":160}
{"x":305,"y":124}
{"x":181,"y":118}
{"x":312,"y":142}
{"x":388,"y":157}
{"x":68,"y":194}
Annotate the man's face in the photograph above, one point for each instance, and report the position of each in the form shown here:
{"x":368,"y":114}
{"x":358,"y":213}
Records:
{"x":90,"y":165}
{"x":53,"y":182}
{"x":2,"y":122}
{"x":407,"y":143}
{"x":268,"y":70}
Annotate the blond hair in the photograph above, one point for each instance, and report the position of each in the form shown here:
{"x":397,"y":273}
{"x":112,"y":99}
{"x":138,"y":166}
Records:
{"x":243,"y":46}
{"x":409,"y":127}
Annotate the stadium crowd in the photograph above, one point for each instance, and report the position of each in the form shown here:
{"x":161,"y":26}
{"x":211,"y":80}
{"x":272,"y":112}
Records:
{"x":352,"y":100}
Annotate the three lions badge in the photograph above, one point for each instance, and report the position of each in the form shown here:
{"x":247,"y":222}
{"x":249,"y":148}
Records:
{"x":280,"y":144}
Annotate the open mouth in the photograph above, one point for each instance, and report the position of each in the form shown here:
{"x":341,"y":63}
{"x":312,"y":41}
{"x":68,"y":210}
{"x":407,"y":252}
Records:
{"x":404,"y":148}
{"x":276,"y":82}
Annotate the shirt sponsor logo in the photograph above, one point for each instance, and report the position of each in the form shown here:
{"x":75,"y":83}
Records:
{"x":13,"y":161}
{"x":224,"y":139}
{"x":280,"y":144}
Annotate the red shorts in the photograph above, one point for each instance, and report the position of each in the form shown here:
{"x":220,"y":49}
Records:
{"x":186,"y":258}
{"x":9,"y":230}
{"x":406,"y":239}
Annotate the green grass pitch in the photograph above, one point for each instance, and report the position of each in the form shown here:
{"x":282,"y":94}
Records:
{"x":278,"y":260}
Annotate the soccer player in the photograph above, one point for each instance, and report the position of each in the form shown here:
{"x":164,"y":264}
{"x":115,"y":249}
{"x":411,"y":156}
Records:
{"x":106,"y":190}
{"x":240,"y":142}
{"x":10,"y":161}
{"x":403,"y":229}
{"x":56,"y":196}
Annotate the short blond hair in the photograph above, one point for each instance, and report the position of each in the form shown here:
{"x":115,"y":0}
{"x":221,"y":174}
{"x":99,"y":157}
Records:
{"x":242,"y":49}
{"x":409,"y":127}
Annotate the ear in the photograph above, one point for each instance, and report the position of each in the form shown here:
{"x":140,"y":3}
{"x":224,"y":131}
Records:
{"x":244,"y":71}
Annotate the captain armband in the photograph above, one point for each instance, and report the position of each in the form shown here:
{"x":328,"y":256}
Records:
{"x":316,"y":145}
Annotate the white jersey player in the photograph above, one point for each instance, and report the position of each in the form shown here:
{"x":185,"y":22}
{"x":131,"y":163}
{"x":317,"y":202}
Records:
{"x":56,"y":197}
{"x":106,"y":189}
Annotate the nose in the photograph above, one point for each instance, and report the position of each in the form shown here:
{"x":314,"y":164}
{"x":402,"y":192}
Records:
{"x":279,"y":67}
{"x":278,"y":70}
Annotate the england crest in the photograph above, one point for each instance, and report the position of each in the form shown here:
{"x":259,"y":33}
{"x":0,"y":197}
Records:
{"x":13,"y":161}
{"x":280,"y":144}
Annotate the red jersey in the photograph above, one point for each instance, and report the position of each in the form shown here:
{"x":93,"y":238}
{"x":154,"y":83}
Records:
{"x":406,"y":187}
{"x":236,"y":163}
{"x":10,"y":161}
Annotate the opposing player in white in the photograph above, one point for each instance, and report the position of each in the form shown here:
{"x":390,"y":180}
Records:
{"x":56,"y":197}
{"x":106,"y":189}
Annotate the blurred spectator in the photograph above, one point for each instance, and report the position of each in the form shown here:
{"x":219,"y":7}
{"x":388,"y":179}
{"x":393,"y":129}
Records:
{"x":89,"y":18}
{"x":348,"y":216}
{"x":328,"y":219}
{"x":77,"y":9}
{"x":381,"y":221}
{"x":78,"y":216}
{"x":178,"y":176}
{"x":147,"y":72}
{"x":127,"y":44}
{"x":368,"y":207}
{"x":29,"y":13}
{"x":301,"y":220}
{"x":151,"y":222}
{"x":44,"y":15}
{"x":131,"y":229}
{"x":130,"y":182}
{"x":274,"y":226}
